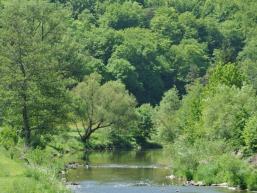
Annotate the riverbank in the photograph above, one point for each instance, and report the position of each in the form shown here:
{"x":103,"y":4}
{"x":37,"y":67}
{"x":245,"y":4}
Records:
{"x":31,"y":172}
{"x":46,"y":170}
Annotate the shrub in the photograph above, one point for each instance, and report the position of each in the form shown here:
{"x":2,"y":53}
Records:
{"x":41,"y":179}
{"x":38,"y":157}
{"x":207,"y":173}
{"x":8,"y":138}
{"x":250,"y":134}
{"x":225,"y":168}
{"x":252,"y":181}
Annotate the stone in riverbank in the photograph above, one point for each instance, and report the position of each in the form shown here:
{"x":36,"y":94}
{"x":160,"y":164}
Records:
{"x":72,"y":165}
{"x":73,"y":185}
{"x":193,"y":183}
{"x":222,"y":185}
{"x":171,"y":177}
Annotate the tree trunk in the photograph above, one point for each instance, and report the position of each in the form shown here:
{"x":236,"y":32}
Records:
{"x":86,"y":151}
{"x":26,"y":127}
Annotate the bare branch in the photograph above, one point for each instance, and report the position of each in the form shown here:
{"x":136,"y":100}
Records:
{"x":99,"y":126}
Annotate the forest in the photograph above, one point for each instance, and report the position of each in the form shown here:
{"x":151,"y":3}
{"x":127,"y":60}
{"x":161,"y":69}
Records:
{"x":97,"y":75}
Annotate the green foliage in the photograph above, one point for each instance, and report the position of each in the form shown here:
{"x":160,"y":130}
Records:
{"x":192,"y":62}
{"x":189,"y":157}
{"x":227,"y":74}
{"x":78,"y":6}
{"x":120,"y":16}
{"x":33,"y":93}
{"x":165,"y":21}
{"x":8,"y":138}
{"x":225,"y":113}
{"x":226,"y":168}
{"x":100,"y":106}
{"x":16,"y":176}
{"x":190,"y":112}
{"x":121,"y":69}
{"x":37,"y":156}
{"x":146,"y":52}
{"x":9,"y":167}
{"x":247,"y":58}
{"x":145,"y":127}
{"x":165,"y":116}
{"x":100,"y":42}
{"x":142,"y":47}
{"x":250,"y":134}
{"x":252,"y":179}
{"x":139,"y":42}
{"x":37,"y":181}
{"x":120,"y":139}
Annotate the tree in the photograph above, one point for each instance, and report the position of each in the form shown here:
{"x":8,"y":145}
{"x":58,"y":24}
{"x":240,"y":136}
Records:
{"x":120,"y":16}
{"x":209,"y":33}
{"x":250,"y":134}
{"x":101,"y":106}
{"x":78,"y":5}
{"x":33,"y":93}
{"x":247,"y":61}
{"x":225,"y":113}
{"x":165,"y":115}
{"x":190,"y":63}
{"x":219,"y":9}
{"x":233,"y":41}
{"x":120,"y":69}
{"x":145,"y":127}
{"x":147,"y":53}
{"x":100,"y":42}
{"x":166,"y":22}
{"x":183,"y":6}
{"x":227,"y":74}
{"x":189,"y":114}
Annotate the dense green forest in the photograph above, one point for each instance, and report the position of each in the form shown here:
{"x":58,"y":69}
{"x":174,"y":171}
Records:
{"x":77,"y":75}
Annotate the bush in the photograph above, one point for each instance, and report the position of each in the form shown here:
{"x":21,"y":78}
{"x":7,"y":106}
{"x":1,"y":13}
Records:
{"x":250,"y":134}
{"x":232,"y":170}
{"x":212,"y":163}
{"x":207,"y":173}
{"x":226,"y":168}
{"x":38,"y":157}
{"x":252,"y":181}
{"x":186,"y":159}
{"x":8,"y":138}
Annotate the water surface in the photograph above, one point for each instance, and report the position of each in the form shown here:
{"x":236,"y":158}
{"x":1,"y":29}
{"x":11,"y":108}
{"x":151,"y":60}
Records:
{"x":130,"y":172}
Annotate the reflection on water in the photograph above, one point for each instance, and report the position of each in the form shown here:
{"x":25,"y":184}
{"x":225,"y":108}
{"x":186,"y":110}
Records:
{"x":149,"y":175}
{"x":130,"y":172}
{"x":125,"y":166}
{"x":94,"y":187}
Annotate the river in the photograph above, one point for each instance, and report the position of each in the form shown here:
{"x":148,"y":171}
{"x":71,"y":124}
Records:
{"x":130,"y":172}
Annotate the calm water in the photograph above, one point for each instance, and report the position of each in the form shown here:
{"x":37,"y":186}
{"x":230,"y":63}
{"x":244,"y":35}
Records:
{"x":130,"y":172}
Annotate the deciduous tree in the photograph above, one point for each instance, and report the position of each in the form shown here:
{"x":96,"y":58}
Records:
{"x":101,"y":106}
{"x":33,"y":93}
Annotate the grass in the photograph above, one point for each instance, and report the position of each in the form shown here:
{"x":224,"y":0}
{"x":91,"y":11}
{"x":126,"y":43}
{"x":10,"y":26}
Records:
{"x":10,"y":167}
{"x":10,"y":171}
{"x":18,"y":177}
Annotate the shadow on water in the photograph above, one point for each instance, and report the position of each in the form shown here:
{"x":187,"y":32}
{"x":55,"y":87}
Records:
{"x":130,"y":172}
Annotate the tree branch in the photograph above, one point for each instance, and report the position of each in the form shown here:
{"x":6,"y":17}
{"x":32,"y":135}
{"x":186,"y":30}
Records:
{"x":99,"y":126}
{"x":78,"y":130}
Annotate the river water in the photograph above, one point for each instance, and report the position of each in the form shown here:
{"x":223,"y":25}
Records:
{"x":130,"y":172}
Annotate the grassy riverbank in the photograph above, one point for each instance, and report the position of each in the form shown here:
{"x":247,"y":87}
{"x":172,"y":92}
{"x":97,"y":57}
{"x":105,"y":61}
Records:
{"x":212,"y":164}
{"x":35,"y":171}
